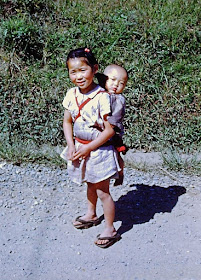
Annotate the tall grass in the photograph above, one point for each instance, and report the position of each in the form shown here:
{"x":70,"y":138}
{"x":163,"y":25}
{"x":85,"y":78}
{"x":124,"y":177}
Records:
{"x":157,"y":41}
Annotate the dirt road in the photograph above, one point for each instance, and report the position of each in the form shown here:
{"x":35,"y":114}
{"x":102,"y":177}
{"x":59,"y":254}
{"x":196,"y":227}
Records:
{"x":158,"y":218}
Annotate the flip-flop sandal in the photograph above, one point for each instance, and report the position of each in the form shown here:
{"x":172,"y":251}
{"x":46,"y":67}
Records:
{"x":110,"y":242}
{"x":86,"y":224}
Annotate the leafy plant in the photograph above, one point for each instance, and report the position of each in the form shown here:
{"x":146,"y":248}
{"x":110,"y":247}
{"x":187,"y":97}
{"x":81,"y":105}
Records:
{"x":35,"y":7}
{"x":175,"y":160}
{"x":156,"y":41}
{"x":23,"y":36}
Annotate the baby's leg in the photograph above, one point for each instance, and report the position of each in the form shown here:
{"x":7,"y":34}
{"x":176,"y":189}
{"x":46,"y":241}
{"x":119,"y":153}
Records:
{"x":121,"y":164}
{"x":119,"y":181}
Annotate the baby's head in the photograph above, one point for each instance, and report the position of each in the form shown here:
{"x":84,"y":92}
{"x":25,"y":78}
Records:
{"x":117,"y":78}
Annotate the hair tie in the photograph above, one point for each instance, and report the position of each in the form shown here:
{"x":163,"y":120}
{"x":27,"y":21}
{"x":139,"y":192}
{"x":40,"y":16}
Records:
{"x":87,"y":50}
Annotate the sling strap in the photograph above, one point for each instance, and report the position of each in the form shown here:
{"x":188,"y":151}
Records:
{"x":108,"y":143}
{"x":82,"y":141}
{"x":84,"y":103}
{"x":122,"y":148}
{"x":79,"y":114}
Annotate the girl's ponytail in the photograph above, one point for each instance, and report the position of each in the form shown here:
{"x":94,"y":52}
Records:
{"x":102,"y":78}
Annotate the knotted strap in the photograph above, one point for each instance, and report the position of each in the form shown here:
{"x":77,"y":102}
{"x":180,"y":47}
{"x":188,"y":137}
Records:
{"x":84,"y":103}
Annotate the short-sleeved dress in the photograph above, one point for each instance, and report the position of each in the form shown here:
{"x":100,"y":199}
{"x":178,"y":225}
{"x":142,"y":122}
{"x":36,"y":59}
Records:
{"x":102,"y":163}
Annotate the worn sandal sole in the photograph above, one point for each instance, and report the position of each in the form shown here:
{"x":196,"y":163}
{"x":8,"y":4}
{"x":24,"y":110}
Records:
{"x":86,"y":224}
{"x":110,"y":242}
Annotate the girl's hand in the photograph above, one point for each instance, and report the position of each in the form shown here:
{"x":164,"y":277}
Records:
{"x":85,"y":149}
{"x":82,"y":152}
{"x":71,"y":152}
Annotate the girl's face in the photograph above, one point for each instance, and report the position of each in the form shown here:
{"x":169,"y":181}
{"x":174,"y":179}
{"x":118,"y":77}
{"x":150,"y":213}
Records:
{"x":81,"y":74}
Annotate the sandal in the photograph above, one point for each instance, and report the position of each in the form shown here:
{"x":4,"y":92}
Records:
{"x":86,"y":224}
{"x":110,"y":242}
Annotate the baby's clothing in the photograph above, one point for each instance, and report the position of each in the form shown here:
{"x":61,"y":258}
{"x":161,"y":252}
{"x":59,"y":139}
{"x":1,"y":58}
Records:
{"x":118,"y":112}
{"x":102,"y":163}
{"x":116,"y":119}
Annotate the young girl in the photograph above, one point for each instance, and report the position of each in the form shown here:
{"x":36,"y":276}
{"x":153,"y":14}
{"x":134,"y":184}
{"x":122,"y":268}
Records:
{"x":91,"y":157}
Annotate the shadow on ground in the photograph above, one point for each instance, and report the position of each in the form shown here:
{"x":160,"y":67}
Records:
{"x":140,"y":205}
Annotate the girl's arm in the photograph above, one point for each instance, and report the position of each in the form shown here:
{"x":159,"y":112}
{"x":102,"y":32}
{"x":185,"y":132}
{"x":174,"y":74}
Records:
{"x":68,"y":132}
{"x":103,"y":137}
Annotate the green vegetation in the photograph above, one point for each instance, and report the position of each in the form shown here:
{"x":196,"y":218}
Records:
{"x":157,"y":41}
{"x":174,"y":160}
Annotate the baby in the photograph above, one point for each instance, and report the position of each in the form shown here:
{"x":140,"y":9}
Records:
{"x":116,"y":78}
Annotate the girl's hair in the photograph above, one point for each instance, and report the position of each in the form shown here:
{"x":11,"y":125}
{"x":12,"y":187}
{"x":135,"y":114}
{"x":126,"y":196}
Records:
{"x":83,"y":52}
{"x":102,"y":79}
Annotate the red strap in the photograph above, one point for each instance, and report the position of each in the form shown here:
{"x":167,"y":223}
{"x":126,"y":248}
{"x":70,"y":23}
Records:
{"x":84,"y":103}
{"x":121,"y":149}
{"x":83,"y":141}
{"x":88,"y":141}
{"x":81,"y":106}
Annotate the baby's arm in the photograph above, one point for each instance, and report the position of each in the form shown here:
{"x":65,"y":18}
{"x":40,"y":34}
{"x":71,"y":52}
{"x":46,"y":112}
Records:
{"x":103,"y":137}
{"x":68,"y":132}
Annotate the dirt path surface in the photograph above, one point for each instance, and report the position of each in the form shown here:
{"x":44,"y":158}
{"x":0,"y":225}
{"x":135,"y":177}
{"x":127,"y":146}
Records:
{"x":157,"y":215}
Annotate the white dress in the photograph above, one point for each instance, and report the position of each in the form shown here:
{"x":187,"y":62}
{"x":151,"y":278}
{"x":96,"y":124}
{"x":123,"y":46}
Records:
{"x":102,"y":163}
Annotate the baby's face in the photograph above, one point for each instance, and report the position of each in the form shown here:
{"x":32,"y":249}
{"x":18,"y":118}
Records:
{"x":117,"y":79}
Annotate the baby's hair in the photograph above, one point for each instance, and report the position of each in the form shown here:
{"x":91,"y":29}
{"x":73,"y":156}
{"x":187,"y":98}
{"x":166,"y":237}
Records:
{"x":83,"y":52}
{"x":102,"y":78}
{"x":117,"y":65}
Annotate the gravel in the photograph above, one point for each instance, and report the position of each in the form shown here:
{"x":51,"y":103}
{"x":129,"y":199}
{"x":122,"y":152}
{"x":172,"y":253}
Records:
{"x":157,"y":213}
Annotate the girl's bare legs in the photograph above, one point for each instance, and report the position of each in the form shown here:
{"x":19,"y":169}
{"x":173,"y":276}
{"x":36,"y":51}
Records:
{"x":91,"y":201}
{"x":100,"y":190}
{"x":103,"y":193}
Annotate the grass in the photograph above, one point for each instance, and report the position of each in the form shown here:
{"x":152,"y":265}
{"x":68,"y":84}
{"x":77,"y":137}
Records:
{"x":188,"y":162}
{"x":157,"y":41}
{"x":29,"y":152}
